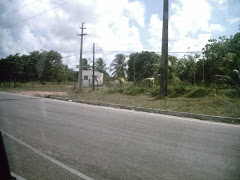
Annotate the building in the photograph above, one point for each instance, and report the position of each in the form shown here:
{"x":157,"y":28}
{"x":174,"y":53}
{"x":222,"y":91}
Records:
{"x":87,"y":78}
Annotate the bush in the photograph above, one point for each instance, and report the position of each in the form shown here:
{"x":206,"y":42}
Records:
{"x":232,"y":93}
{"x":197,"y":92}
{"x":135,"y":90}
{"x":114,"y":90}
{"x":173,"y":91}
{"x":176,"y":91}
{"x":155,"y":91}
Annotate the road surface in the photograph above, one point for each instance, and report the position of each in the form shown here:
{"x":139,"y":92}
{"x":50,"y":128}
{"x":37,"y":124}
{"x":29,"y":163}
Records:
{"x":50,"y":139}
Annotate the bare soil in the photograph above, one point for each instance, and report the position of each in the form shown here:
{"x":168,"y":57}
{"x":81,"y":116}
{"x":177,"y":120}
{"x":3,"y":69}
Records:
{"x":42,"y":93}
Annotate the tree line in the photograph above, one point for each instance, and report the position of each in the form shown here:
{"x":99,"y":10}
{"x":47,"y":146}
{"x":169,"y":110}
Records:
{"x":220,"y":65}
{"x":43,"y":66}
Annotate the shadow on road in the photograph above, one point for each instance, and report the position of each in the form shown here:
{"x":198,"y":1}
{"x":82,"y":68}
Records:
{"x":16,"y":99}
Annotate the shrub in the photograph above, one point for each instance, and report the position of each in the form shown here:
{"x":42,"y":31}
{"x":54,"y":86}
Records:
{"x":197,"y":92}
{"x":135,"y":90}
{"x":232,"y":93}
{"x":176,"y":91}
{"x":114,"y":90}
{"x":155,"y":91}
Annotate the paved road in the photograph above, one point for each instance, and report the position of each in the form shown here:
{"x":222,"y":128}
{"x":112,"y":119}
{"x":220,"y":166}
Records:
{"x":50,"y":139}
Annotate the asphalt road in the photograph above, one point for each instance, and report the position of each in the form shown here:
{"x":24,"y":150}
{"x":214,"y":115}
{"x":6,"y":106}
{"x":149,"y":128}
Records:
{"x":50,"y":139}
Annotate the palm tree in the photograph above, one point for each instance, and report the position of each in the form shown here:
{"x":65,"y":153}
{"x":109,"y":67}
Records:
{"x":118,"y":66}
{"x":101,"y":65}
{"x":86,"y":65}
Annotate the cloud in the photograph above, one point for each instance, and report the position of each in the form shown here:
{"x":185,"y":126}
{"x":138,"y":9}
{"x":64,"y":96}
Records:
{"x":189,"y":26}
{"x":216,"y":27}
{"x":136,"y":11}
{"x":220,"y":1}
{"x":110,"y":24}
{"x":233,"y":20}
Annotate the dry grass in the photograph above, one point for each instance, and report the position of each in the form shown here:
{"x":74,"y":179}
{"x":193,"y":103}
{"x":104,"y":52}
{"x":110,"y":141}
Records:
{"x":218,"y":105}
{"x":212,"y":104}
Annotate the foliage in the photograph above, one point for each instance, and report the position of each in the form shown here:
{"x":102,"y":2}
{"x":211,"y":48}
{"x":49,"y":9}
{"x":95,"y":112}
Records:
{"x":198,"y":92}
{"x":232,"y":93}
{"x":144,"y":65}
{"x":45,"y":66}
{"x":222,"y":60}
{"x":101,"y":66}
{"x":118,"y":66}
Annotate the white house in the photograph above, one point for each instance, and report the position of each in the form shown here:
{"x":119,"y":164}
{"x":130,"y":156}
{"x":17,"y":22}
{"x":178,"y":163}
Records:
{"x":87,"y":78}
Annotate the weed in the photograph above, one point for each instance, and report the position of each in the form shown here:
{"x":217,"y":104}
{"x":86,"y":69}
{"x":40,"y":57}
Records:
{"x":197,"y":92}
{"x":232,"y":93}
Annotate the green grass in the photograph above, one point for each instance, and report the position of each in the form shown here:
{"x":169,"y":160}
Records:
{"x":63,"y":87}
{"x":191,"y":99}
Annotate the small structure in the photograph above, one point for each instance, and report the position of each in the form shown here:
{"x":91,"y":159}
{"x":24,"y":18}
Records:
{"x":87,"y":78}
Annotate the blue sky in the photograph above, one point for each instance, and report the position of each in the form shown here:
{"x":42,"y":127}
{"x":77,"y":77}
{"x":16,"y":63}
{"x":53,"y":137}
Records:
{"x":115,"y":26}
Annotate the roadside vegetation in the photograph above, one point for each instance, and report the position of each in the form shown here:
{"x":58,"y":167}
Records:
{"x":206,"y":84}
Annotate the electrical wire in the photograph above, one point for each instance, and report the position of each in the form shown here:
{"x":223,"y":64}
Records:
{"x":17,"y":10}
{"x":4,"y":3}
{"x":35,"y":15}
{"x":86,"y":52}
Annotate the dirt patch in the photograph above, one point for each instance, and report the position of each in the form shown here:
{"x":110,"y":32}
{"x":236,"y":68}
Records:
{"x":42,"y":93}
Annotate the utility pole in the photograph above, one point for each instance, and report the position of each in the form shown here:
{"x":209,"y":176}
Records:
{"x":164,"y":60}
{"x":80,"y":60}
{"x":203,"y":71}
{"x":93,"y":67}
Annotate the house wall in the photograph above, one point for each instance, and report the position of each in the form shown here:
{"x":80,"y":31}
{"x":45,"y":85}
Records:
{"x":87,"y":78}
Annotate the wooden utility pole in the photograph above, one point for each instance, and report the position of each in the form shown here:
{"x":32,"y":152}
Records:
{"x":93,"y":79}
{"x":80,"y":60}
{"x":203,"y":71}
{"x":164,"y":60}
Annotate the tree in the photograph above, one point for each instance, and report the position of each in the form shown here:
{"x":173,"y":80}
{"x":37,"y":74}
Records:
{"x":86,"y":64}
{"x":185,"y":70}
{"x":100,"y":65}
{"x":38,"y":65}
{"x":231,"y":69}
{"x":118,"y":66}
{"x":143,"y":65}
{"x":173,"y":67}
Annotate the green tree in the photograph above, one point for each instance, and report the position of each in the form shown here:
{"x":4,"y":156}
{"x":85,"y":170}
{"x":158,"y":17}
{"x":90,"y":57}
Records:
{"x":185,"y":70}
{"x":173,"y":67}
{"x":86,"y":65}
{"x":119,"y":66}
{"x":143,"y":65}
{"x":100,"y":65}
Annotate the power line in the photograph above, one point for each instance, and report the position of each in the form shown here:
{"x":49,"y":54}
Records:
{"x":5,"y":3}
{"x":17,"y":10}
{"x":173,"y":52}
{"x":156,"y":42}
{"x":35,"y":15}
{"x":86,"y":52}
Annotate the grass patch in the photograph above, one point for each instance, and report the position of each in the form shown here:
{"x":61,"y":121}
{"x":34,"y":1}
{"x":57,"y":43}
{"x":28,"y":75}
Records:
{"x":198,"y":92}
{"x":191,"y":99}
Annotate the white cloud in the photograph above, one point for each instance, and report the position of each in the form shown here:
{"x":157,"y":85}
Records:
{"x":109,"y":24}
{"x":136,"y":10}
{"x":155,"y":26}
{"x":216,"y":27}
{"x":233,"y":20}
{"x":220,"y":1}
{"x":189,"y":26}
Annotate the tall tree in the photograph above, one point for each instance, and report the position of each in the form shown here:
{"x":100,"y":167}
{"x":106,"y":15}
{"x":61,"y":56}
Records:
{"x":119,"y":66}
{"x":100,"y":65}
{"x":143,"y":65}
{"x":173,"y":67}
{"x":86,"y":64}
